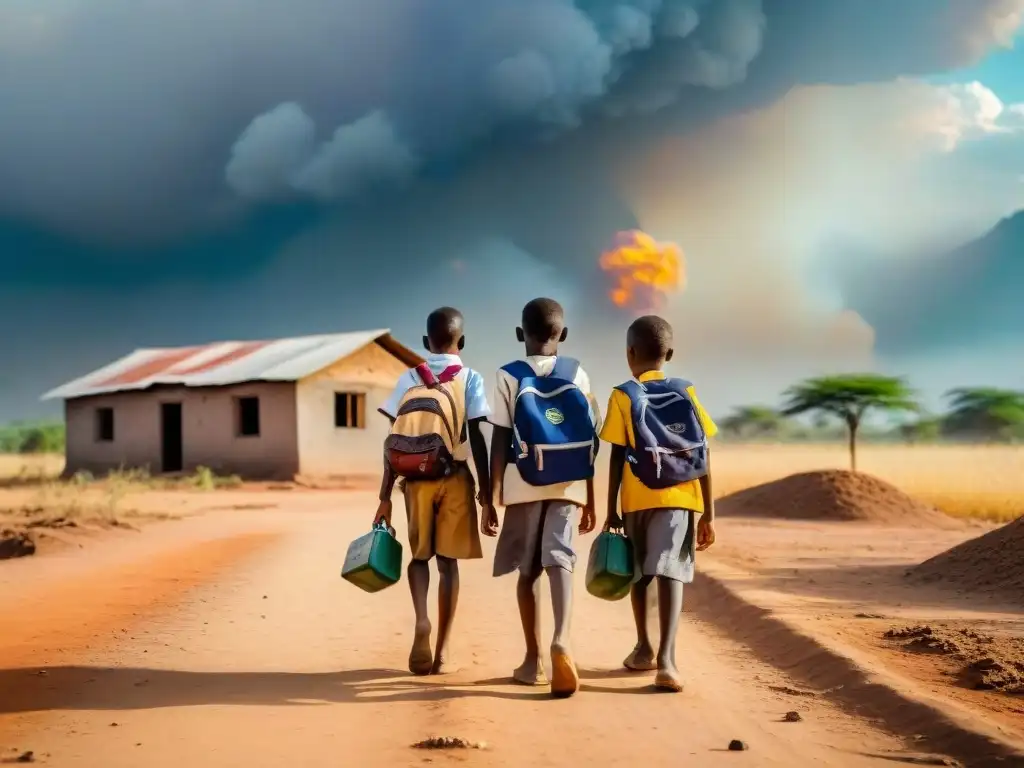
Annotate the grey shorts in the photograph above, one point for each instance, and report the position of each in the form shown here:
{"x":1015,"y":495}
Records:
{"x":535,"y":536}
{"x":664,"y":543}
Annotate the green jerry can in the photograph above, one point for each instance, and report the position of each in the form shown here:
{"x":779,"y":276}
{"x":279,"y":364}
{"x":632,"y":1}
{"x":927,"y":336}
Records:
{"x":374,"y":561}
{"x":610,"y":567}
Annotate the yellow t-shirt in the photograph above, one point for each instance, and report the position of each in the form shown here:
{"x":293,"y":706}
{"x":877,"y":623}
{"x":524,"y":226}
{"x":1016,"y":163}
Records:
{"x":634,"y":495}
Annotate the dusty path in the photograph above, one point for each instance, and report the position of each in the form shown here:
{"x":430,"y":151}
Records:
{"x":234,"y":643}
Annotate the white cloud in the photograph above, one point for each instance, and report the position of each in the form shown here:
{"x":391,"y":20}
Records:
{"x":277,"y":156}
{"x":359,"y":155}
{"x":964,"y":112}
{"x":267,"y":153}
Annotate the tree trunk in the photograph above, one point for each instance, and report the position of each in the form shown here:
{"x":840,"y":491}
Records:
{"x":852,"y":423}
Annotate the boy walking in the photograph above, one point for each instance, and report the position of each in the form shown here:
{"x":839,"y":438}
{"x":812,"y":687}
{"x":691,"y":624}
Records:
{"x":542,"y":455}
{"x":436,"y":410}
{"x":658,"y":431}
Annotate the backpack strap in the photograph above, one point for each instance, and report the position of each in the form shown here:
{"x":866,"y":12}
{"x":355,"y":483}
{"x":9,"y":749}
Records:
{"x":519,"y":370}
{"x":426,"y":375}
{"x":631,"y":389}
{"x":429,"y":379}
{"x":565,"y":368}
{"x":449,"y":374}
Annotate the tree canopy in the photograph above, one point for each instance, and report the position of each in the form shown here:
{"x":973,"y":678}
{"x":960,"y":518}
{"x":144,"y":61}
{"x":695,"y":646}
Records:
{"x":984,"y":413}
{"x":849,"y":397}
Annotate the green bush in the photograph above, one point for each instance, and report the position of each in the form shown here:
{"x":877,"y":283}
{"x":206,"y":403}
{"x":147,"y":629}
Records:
{"x":33,"y":437}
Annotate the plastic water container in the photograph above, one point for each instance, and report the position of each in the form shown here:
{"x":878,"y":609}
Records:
{"x":610,"y":566}
{"x":374,"y":561}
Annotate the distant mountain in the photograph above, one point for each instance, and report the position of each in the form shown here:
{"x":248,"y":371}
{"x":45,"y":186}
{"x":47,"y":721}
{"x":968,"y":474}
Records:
{"x":971,"y":293}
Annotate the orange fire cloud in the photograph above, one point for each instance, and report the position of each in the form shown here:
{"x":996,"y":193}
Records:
{"x":645,"y":272}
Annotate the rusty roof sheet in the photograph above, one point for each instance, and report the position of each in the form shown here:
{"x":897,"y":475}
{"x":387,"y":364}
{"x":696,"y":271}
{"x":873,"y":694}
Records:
{"x":228,"y":362}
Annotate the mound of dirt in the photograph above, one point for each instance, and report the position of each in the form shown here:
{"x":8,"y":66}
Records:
{"x":831,"y":495}
{"x":993,"y":562}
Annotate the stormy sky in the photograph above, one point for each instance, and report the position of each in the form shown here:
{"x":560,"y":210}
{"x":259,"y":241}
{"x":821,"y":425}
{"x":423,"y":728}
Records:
{"x":178,"y":172}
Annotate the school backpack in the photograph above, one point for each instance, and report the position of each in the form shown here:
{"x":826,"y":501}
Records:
{"x":554,"y":436}
{"x":669,"y":443}
{"x":430,"y":423}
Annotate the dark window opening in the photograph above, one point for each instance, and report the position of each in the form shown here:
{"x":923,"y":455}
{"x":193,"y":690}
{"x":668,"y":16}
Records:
{"x":248,"y":417}
{"x":105,"y":425}
{"x":350,"y":410}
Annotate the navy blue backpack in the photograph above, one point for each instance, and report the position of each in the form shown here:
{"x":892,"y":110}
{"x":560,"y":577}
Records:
{"x":554,"y":434}
{"x":670,"y":446}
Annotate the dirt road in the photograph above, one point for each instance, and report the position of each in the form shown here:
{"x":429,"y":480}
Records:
{"x":229,"y":640}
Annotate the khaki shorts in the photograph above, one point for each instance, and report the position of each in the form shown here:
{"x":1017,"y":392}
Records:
{"x":442,"y":517}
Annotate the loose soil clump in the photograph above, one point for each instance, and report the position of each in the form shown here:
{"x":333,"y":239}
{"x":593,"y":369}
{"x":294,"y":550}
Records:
{"x":982,"y":662}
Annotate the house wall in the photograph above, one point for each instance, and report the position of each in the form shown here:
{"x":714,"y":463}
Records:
{"x":327,"y":451}
{"x":209,"y":431}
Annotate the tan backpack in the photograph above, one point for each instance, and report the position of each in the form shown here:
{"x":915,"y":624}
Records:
{"x":430,"y":425}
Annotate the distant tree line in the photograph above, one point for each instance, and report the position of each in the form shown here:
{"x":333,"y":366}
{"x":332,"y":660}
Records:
{"x":32,"y":437}
{"x":840,"y":404}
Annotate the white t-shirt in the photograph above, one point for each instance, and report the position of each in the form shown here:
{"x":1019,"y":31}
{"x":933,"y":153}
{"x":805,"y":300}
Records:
{"x":517,"y":490}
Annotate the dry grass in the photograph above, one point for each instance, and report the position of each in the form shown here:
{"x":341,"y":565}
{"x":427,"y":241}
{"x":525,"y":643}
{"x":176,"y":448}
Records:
{"x":37,"y":471}
{"x":36,"y":499}
{"x":29,"y":469}
{"x":984,"y":482}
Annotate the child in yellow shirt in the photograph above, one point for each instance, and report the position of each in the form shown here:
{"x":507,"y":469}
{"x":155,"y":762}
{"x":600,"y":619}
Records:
{"x":660,"y":460}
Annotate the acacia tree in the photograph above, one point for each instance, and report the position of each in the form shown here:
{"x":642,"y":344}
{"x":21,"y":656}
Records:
{"x":849,"y":397}
{"x":984,"y":413}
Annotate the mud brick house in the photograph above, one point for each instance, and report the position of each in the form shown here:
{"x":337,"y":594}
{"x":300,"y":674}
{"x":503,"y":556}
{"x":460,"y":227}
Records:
{"x":259,"y":409}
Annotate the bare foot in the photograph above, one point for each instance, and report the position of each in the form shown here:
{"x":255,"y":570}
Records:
{"x":443,"y":665}
{"x":530,"y":672}
{"x":421,"y":658}
{"x":668,"y":679}
{"x":641,"y":659}
{"x":565,"y":680}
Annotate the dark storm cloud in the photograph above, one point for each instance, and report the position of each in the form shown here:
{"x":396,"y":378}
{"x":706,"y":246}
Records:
{"x":119,"y":117}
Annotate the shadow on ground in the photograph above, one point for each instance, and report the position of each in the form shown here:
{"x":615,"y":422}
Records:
{"x":128,"y":688}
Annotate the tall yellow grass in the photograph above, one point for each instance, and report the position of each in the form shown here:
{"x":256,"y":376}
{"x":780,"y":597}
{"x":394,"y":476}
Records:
{"x":985,"y":482}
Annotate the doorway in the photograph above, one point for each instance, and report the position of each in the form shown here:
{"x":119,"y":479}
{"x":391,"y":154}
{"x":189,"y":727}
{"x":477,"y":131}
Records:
{"x":172,"y":454}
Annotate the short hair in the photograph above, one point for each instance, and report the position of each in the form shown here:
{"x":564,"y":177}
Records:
{"x":444,"y":327}
{"x":650,"y":337}
{"x":543,"y":319}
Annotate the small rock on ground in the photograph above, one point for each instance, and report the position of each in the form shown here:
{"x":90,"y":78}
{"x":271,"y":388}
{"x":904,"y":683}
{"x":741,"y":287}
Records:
{"x":448,"y":742}
{"x":15,"y":544}
{"x":793,"y":717}
{"x":738,"y":746}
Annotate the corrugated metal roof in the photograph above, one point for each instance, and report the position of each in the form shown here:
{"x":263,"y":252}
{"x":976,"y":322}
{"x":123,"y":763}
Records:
{"x":229,"y":362}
